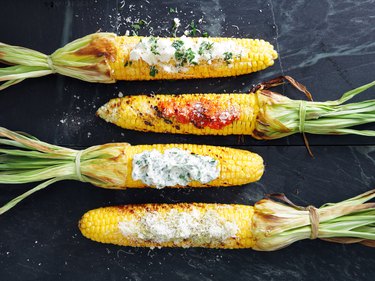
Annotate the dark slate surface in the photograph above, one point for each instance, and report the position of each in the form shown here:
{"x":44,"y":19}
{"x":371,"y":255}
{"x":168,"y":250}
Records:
{"x":326,"y":45}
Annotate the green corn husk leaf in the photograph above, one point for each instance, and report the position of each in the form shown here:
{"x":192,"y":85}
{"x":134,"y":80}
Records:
{"x":85,"y":58}
{"x":280,"y":116}
{"x":277,"y":225}
{"x":24,"y":159}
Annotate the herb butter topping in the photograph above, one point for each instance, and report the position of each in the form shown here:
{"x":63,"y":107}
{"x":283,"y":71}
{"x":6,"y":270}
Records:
{"x":196,"y":226}
{"x":174,"y":167}
{"x":175,"y":56}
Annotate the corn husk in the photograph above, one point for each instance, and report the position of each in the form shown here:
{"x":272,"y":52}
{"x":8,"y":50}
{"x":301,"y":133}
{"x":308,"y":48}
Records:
{"x":25,"y":159}
{"x":85,"y":58}
{"x":280,"y":116}
{"x":279,"y":224}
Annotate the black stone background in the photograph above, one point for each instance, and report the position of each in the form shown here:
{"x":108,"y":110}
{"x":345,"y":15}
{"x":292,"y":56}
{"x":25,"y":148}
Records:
{"x":326,"y":45}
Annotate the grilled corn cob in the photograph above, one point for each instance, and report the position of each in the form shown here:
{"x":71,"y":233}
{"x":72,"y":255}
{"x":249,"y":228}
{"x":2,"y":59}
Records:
{"x":267,"y":226}
{"x":120,"y":165}
{"x":262,"y":114}
{"x":105,"y":58}
{"x":176,"y":224}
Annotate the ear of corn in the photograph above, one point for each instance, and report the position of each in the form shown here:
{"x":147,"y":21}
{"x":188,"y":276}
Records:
{"x":201,"y":114}
{"x":102,"y":225}
{"x":267,"y":226}
{"x":262,"y":114}
{"x":110,"y":165}
{"x":105,"y":58}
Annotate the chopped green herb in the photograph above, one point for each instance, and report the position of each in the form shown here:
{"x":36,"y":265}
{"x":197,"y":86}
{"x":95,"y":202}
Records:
{"x":190,"y":56}
{"x":179,"y":55}
{"x":177,"y":44}
{"x":171,"y":10}
{"x":184,"y":57}
{"x":154,"y":45}
{"x":228,"y":56}
{"x":182,"y":177}
{"x":153,"y":71}
{"x":193,"y":27}
{"x":137,"y":26}
{"x":205,"y":46}
{"x":142,"y":22}
{"x":205,"y":34}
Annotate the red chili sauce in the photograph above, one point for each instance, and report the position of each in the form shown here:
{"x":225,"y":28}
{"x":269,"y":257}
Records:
{"x":201,"y":113}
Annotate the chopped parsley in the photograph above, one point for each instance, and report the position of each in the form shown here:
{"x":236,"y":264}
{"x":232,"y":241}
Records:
{"x":190,"y":56}
{"x":153,"y":71}
{"x":177,"y":44}
{"x":171,"y":10}
{"x":205,"y":46}
{"x":204,"y":34}
{"x":183,"y":177}
{"x":185,"y":56}
{"x":137,"y":26}
{"x":181,"y":55}
{"x":154,"y":45}
{"x":228,"y":57}
{"x":193,"y":28}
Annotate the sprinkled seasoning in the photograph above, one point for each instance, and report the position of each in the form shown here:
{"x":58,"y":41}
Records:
{"x":202,"y":113}
{"x":173,"y":226}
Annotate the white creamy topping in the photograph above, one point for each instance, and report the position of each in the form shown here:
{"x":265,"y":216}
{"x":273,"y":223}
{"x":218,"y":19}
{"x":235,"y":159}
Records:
{"x":183,"y":51}
{"x":197,"y":227}
{"x":174,"y":167}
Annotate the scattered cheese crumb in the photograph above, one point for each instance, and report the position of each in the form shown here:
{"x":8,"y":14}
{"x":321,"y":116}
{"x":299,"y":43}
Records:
{"x":176,"y":22}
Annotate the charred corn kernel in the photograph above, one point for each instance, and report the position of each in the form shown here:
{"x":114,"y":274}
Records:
{"x":237,"y":167}
{"x":200,"y":114}
{"x":138,"y":58}
{"x":171,"y":225}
